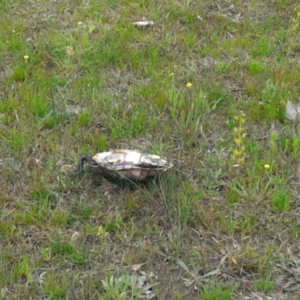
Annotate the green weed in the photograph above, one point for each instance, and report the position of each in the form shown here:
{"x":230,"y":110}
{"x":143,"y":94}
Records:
{"x":56,"y":285}
{"x":265,"y":285}
{"x":120,"y":288}
{"x":23,"y":270}
{"x":217,"y":292}
{"x":281,"y":200}
{"x":66,"y":250}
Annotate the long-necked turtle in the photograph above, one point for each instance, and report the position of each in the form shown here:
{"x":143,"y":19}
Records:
{"x":127,"y":164}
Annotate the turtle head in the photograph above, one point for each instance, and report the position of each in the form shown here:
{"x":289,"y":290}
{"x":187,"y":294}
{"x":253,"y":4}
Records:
{"x":83,"y":160}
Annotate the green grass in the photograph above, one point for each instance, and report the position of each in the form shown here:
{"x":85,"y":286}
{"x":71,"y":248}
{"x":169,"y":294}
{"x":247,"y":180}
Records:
{"x":224,"y":226}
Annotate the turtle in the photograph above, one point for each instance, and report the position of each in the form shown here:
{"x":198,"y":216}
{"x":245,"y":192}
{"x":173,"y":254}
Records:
{"x":127,"y":164}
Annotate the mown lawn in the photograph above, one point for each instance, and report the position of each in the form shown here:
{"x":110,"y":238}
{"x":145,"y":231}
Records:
{"x":206,"y":85}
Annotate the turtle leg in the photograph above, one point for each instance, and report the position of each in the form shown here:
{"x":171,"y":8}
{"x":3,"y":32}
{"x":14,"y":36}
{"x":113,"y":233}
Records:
{"x":82,"y":160}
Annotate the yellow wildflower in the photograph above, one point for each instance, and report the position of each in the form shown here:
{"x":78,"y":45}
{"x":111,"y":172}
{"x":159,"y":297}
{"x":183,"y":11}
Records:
{"x":79,"y":23}
{"x":236,"y":153}
{"x":267,"y":166}
{"x":238,"y":141}
{"x":101,"y":233}
{"x":241,"y":160}
{"x":26,"y":57}
{"x":188,"y":85}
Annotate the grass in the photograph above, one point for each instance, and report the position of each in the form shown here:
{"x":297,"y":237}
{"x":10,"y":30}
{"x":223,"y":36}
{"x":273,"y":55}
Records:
{"x":78,"y":78}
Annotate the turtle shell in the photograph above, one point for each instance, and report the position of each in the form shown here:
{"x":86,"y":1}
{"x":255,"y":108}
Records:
{"x":133,"y":165}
